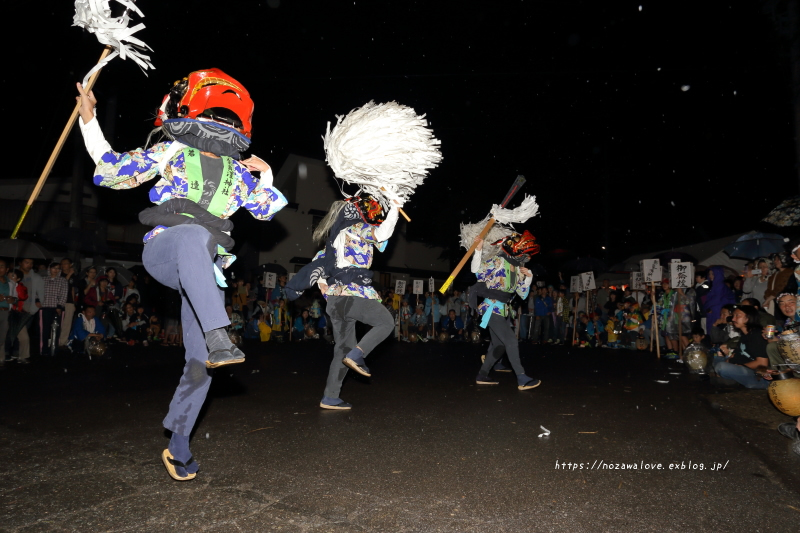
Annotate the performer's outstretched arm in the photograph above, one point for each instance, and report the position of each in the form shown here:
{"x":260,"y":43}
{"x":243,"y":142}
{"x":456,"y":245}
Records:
{"x":475,"y":265}
{"x":115,"y":170}
{"x":386,"y":229}
{"x":524,"y":283}
{"x":263,"y":200}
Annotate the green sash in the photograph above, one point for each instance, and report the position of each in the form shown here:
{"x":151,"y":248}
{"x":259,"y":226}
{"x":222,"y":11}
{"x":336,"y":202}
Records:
{"x":194,"y":178}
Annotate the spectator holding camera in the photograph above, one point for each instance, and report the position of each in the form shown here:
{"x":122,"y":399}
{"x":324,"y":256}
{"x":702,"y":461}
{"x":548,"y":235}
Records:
{"x":756,"y":280}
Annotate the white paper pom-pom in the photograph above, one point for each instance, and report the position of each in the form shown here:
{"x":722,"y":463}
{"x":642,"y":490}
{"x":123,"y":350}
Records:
{"x":385,"y":149}
{"x":527,"y":209}
{"x":95,"y":17}
{"x":470,"y":231}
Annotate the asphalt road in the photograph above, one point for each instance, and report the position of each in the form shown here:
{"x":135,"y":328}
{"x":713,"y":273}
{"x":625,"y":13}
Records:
{"x":424,"y":449}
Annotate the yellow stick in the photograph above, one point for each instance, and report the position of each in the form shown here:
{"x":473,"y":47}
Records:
{"x":466,"y":257}
{"x":57,"y":150}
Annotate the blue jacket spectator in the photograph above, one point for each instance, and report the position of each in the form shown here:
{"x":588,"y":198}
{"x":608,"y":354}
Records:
{"x":452,"y":324}
{"x":302,"y":322}
{"x":86,"y":324}
{"x":542,"y":305}
{"x":451,"y":320}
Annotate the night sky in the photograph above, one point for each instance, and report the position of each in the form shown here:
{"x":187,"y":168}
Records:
{"x":649,"y":124}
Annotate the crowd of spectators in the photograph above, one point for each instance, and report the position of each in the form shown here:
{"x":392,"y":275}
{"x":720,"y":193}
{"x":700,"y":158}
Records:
{"x":51,"y":306}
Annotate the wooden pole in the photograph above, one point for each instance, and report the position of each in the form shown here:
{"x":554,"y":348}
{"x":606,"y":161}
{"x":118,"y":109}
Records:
{"x":57,"y":150}
{"x":467,"y":256}
{"x":575,"y":320}
{"x":680,"y":322}
{"x":518,"y":183}
{"x":652,"y":314}
{"x":655,"y":323}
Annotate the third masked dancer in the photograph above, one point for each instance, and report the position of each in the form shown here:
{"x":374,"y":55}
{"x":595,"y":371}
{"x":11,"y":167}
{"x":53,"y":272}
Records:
{"x":499,"y":278}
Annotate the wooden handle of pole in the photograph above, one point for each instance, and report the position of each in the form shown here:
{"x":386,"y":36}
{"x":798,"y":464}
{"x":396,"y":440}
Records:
{"x":466,"y":257}
{"x":654,"y":324}
{"x":59,"y":145}
{"x":575,"y":321}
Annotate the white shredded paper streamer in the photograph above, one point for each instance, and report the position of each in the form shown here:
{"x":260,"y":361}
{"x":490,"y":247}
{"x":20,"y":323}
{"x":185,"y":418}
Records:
{"x":527,"y":209}
{"x":382,"y":146}
{"x":470,"y":231}
{"x":546,"y":432}
{"x":95,"y":17}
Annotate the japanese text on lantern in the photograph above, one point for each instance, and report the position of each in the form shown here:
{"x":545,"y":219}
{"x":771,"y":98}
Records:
{"x":400,"y":286}
{"x":651,"y":270}
{"x":419,"y":286}
{"x":587,"y":281}
{"x":681,"y":275}
{"x":575,"y":284}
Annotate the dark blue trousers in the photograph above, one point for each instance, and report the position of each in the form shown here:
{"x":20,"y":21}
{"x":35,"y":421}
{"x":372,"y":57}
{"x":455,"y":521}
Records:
{"x":179,"y":259}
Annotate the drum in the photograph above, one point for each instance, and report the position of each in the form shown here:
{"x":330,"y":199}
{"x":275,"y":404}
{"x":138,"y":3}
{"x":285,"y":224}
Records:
{"x":789,"y":346}
{"x":413,"y":337}
{"x":443,"y":337}
{"x":696,"y":358}
{"x":784,"y":392}
{"x":311,"y":333}
{"x":475,"y":337}
{"x":95,"y":347}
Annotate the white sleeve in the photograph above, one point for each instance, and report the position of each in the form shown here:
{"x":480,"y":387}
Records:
{"x":338,"y":245}
{"x":385,"y":230}
{"x":476,"y":261}
{"x":266,"y":178}
{"x":96,"y":143}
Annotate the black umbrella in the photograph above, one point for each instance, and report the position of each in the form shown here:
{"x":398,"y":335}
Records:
{"x":139,"y":271}
{"x":786,"y":214}
{"x":666,"y":257}
{"x":755,"y":244}
{"x":624,"y":267}
{"x":123,"y":274}
{"x":76,"y":239}
{"x":536,"y":268}
{"x":19,"y":248}
{"x":585,"y":264}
